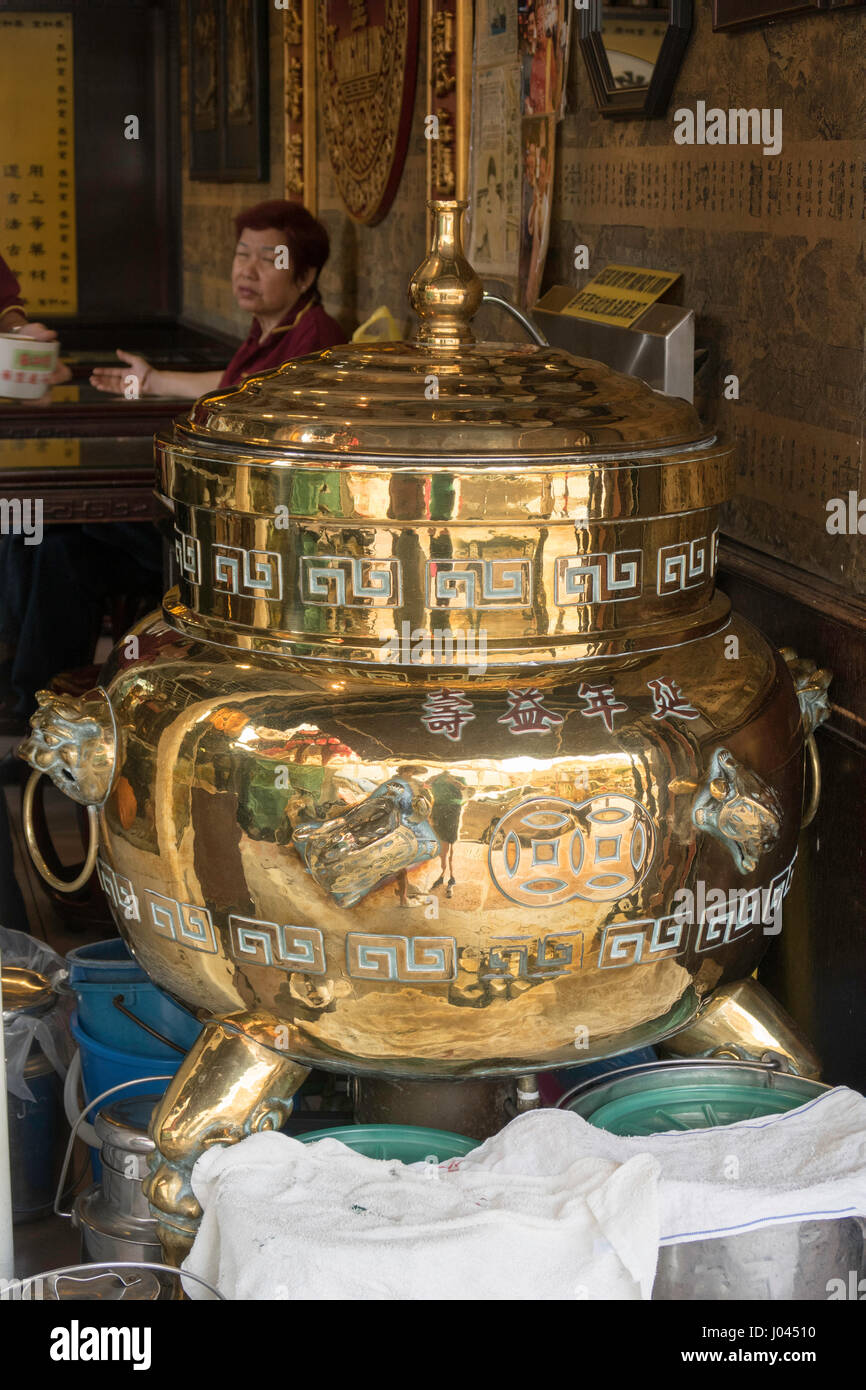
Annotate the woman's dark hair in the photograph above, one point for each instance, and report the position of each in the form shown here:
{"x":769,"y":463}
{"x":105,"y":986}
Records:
{"x":307,"y":240}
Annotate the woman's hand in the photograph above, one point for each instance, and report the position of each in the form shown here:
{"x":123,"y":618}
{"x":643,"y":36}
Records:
{"x":137,"y":378}
{"x":39,"y":331}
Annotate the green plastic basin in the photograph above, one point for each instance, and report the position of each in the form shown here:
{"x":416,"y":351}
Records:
{"x":407,"y":1143}
{"x":665,"y":1096}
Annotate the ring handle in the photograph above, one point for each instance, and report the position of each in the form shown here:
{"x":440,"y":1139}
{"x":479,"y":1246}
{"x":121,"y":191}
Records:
{"x":814,"y":800}
{"x":60,"y":884}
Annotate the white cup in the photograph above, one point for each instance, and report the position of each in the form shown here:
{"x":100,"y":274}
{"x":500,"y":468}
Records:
{"x":26,"y":366}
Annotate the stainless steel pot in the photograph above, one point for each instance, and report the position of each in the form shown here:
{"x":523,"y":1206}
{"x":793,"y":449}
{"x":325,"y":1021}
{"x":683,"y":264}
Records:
{"x":114,"y":1216}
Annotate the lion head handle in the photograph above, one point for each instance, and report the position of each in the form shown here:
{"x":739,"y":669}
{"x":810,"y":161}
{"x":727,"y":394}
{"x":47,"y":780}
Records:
{"x":811,"y":683}
{"x":73,"y":743}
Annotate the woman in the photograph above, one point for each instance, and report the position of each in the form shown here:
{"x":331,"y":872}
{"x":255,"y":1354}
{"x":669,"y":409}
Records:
{"x":13,"y":319}
{"x":12,"y":315}
{"x":448,"y":793}
{"x":280,"y":251}
{"x":14,"y":557}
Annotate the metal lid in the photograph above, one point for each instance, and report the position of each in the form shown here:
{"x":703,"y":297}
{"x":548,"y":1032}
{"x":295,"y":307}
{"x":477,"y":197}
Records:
{"x":122,"y":1129}
{"x":25,"y":992}
{"x":406,"y":402}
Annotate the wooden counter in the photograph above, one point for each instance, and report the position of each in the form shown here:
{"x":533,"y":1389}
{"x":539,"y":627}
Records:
{"x":87,"y":455}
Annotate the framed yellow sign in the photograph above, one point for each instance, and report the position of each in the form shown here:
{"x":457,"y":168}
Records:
{"x":37,"y":160}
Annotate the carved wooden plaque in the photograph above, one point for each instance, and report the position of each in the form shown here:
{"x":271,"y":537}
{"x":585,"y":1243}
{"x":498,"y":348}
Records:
{"x":449,"y":97}
{"x":367,"y":60}
{"x":299,"y":102}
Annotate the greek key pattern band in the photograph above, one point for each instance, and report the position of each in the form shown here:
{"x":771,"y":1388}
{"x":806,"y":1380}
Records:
{"x":500,"y":584}
{"x":534,"y":957}
{"x":479,"y":583}
{"x":350,"y":581}
{"x":424,"y":959}
{"x":268,"y":943}
{"x":599,"y":578}
{"x":187,"y":551}
{"x":233,"y":570}
{"x":687,"y":565}
{"x":256,"y":573}
{"x":184,"y":923}
{"x":119,"y":892}
{"x":383,"y":958}
{"x":742,"y":912}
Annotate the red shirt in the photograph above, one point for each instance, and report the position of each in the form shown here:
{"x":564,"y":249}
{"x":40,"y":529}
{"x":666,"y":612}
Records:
{"x":10,"y":291}
{"x":304,"y":329}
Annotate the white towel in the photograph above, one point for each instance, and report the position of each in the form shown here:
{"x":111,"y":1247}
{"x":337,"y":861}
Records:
{"x":805,"y":1164}
{"x":317,"y":1221}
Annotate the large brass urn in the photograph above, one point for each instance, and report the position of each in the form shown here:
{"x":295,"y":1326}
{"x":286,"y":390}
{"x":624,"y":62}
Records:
{"x":444,"y":758}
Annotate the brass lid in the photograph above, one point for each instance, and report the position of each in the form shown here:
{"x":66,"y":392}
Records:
{"x":408,"y":402}
{"x":443,"y":398}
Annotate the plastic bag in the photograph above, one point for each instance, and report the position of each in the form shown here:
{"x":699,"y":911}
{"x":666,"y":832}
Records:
{"x":22,"y":1031}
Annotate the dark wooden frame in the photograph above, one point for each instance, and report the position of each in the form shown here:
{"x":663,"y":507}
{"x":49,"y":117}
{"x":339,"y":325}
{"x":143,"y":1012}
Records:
{"x":637,"y":102}
{"x":210,"y":152}
{"x":744,"y":14}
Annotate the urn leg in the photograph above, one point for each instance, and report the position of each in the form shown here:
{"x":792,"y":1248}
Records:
{"x":745,"y":1022}
{"x":228,"y":1086}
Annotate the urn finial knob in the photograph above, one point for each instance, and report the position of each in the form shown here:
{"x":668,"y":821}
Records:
{"x":445,"y":291}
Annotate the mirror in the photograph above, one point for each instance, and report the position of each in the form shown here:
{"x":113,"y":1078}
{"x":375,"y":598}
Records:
{"x":633,"y":52}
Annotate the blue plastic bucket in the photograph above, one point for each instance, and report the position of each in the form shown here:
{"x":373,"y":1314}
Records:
{"x":575,"y":1076}
{"x":105,"y":1024}
{"x":106,"y":971}
{"x":103,"y":1067}
{"x":103,"y":960}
